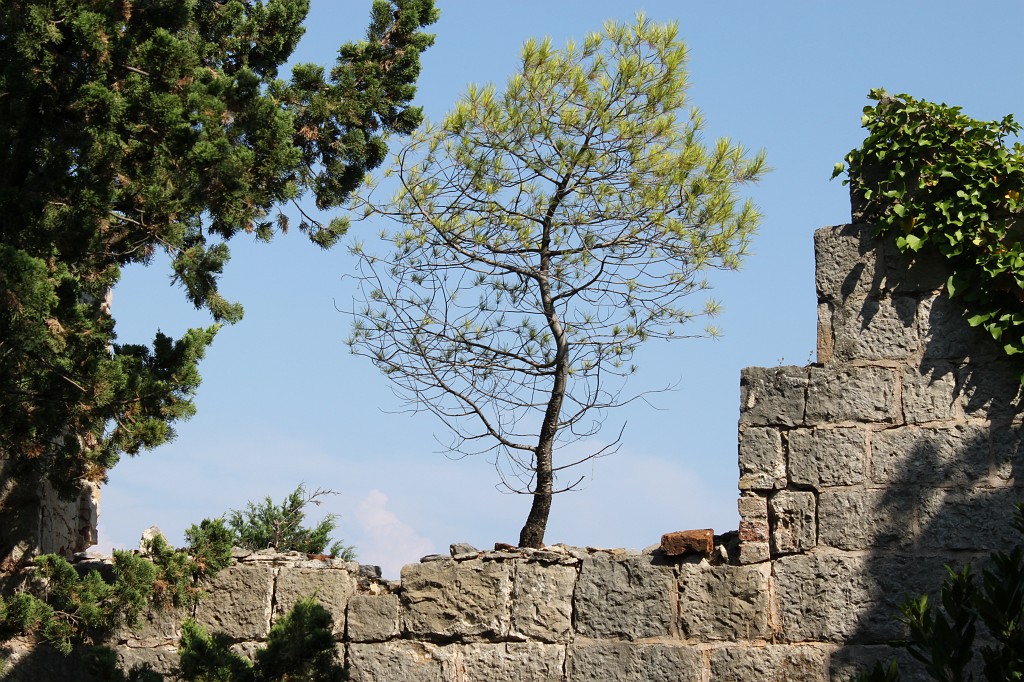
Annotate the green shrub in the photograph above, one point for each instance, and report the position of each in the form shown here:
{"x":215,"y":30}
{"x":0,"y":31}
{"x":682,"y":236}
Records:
{"x":279,"y":526}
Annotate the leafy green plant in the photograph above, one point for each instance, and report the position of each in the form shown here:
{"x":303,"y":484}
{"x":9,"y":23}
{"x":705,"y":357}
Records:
{"x":279,"y":526}
{"x":949,"y":183}
{"x":300,"y":646}
{"x":945,"y":640}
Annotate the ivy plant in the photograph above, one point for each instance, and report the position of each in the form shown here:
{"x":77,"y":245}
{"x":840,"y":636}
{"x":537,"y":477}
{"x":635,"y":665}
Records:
{"x":942,"y":181}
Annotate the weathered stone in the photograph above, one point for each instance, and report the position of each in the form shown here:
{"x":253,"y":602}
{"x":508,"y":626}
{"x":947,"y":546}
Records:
{"x":930,"y":395}
{"x":920,"y":273}
{"x":723,"y":602}
{"x":753,"y":532}
{"x":769,"y":664}
{"x":849,"y":661}
{"x":753,"y":553}
{"x":624,"y":662}
{"x":542,"y":601}
{"x":462,"y":548}
{"x":792,"y":520}
{"x":688,"y":542}
{"x":163,"y":660}
{"x":520,"y":661}
{"x":1008,"y":453}
{"x":875,"y":329}
{"x":27,"y":661}
{"x":401,"y":660}
{"x":991,"y":390}
{"x":332,"y":588}
{"x":954,"y":455}
{"x":979,"y":519}
{"x":468,"y":599}
{"x":157,"y":627}
{"x":148,"y":536}
{"x":628,"y":598}
{"x":839,"y":394}
{"x":762,"y":463}
{"x":826,"y":457}
{"x":826,"y":341}
{"x":238,"y":602}
{"x":772,"y":397}
{"x":827,"y":597}
{"x":945,"y":333}
{"x":851,"y":518}
{"x":373,"y":618}
{"x":845,"y":262}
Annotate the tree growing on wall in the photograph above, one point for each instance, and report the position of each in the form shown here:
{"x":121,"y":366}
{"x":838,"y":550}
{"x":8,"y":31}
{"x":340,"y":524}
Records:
{"x":130,"y":127}
{"x":545,"y":232}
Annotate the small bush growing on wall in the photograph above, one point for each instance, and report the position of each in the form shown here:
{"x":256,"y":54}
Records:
{"x":280,"y":526}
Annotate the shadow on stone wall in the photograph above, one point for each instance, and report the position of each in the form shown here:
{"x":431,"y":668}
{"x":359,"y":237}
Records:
{"x":943,"y":479}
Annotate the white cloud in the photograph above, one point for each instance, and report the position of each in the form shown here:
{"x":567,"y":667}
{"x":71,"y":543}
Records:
{"x":388,"y":542}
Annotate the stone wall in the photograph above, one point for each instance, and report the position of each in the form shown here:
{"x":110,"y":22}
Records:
{"x":861,"y":477}
{"x":35,"y":520}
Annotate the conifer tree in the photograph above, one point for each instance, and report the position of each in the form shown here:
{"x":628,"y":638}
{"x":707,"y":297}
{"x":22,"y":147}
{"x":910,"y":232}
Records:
{"x":129,"y":127}
{"x":544,"y":233}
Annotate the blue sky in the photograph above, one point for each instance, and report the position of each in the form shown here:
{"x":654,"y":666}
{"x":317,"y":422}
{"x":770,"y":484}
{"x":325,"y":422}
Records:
{"x":283,"y":402}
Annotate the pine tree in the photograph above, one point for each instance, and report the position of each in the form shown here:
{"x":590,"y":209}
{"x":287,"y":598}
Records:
{"x":545,"y":232}
{"x":129,"y":127}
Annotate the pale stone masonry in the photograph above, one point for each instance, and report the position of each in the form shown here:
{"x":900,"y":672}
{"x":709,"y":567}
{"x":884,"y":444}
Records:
{"x":860,"y":478}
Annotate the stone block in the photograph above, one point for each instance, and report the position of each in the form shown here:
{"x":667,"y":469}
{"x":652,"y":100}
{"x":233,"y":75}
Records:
{"x":792,"y":519}
{"x":930,"y":395}
{"x":457,"y":600}
{"x":849,"y":661}
{"x":753,"y":531}
{"x":542,"y":601}
{"x":875,"y":329}
{"x":1008,"y":453}
{"x":978,"y":520}
{"x":846,"y":263}
{"x":688,"y":542}
{"x":402,"y":660}
{"x":626,"y":598}
{"x":625,"y":662}
{"x":826,"y":338}
{"x":772,"y":397}
{"x":827,"y":457}
{"x":769,"y":663}
{"x":836,"y":598}
{"x":156,"y":627}
{"x":520,"y":661}
{"x":373,"y":617}
{"x":852,"y":518}
{"x":991,"y":389}
{"x":163,"y":660}
{"x":331,"y":587}
{"x":238,"y":602}
{"x":861,"y":394}
{"x":955,"y":455}
{"x":29,"y":661}
{"x":724,"y":602}
{"x":920,"y":273}
{"x":753,"y":553}
{"x":945,"y":334}
{"x":761,"y":459}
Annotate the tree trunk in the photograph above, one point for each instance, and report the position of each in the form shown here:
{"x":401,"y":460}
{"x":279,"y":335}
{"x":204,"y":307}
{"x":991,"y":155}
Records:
{"x":532,"y":534}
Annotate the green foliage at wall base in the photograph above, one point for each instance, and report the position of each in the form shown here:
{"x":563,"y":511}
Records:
{"x":944,"y":639}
